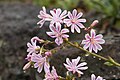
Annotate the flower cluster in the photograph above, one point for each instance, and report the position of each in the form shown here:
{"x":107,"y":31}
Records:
{"x":70,"y":19}
{"x":57,"y":18}
{"x":39,"y":56}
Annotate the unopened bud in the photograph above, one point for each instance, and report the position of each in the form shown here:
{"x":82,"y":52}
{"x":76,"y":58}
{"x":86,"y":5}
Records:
{"x":95,"y":22}
{"x":37,"y":39}
{"x":48,"y":53}
{"x":27,"y":66}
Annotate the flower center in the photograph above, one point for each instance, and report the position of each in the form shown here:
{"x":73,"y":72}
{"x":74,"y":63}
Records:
{"x":92,"y":40}
{"x":58,"y":34}
{"x":73,"y":20}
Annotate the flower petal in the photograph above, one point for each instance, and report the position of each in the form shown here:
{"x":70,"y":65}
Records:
{"x":99,"y":36}
{"x":90,"y":47}
{"x":58,"y":11}
{"x":40,"y":68}
{"x":70,"y":15}
{"x":68,"y":61}
{"x":87,"y":36}
{"x":51,"y":34}
{"x":44,"y":9}
{"x":36,"y":65}
{"x":36,"y":57}
{"x":92,"y":32}
{"x":99,"y":47}
{"x":74,"y":12}
{"x":81,"y":20}
{"x":86,"y":45}
{"x":72,"y":28}
{"x":65,"y":36}
{"x":101,"y":41}
{"x":79,"y":72}
{"x":75,"y":61}
{"x":54,"y":73}
{"x":52,"y":12}
{"x":46,"y":67}
{"x":77,"y":29}
{"x":83,"y":68}
{"x":95,"y":48}
{"x":93,"y":77}
{"x":64,"y":30}
{"x":52,"y":28}
{"x":66,"y":20}
{"x":80,"y":25}
{"x":58,"y":27}
{"x":58,"y":40}
{"x":41,"y":22}
{"x":85,"y":41}
{"x":63,"y":15}
{"x":99,"y":78}
{"x":82,"y":64}
{"x":79,"y":15}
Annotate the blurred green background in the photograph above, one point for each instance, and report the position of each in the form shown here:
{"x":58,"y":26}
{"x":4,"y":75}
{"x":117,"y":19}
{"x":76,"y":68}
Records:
{"x":106,"y":11}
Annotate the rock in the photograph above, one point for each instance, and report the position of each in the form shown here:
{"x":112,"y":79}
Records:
{"x":96,"y":66}
{"x":17,"y":27}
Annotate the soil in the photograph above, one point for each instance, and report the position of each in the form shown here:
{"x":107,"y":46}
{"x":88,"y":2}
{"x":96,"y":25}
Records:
{"x":18,"y":26}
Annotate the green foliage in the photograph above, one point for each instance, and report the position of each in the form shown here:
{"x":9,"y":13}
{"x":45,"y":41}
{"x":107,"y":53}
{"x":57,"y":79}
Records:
{"x":65,"y":4}
{"x":110,"y":8}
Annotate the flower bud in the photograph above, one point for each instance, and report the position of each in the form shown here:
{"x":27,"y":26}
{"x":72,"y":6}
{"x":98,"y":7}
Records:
{"x":37,"y":39}
{"x":95,"y":22}
{"x":27,"y":66}
{"x":48,"y":53}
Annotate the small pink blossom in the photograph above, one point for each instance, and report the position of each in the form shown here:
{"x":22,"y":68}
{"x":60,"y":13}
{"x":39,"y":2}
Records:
{"x":52,"y":75}
{"x":40,"y":62}
{"x":74,"y":67}
{"x":57,"y":16}
{"x":58,"y":33}
{"x":44,"y":17}
{"x":32,"y":47}
{"x":93,"y":41}
{"x":74,"y":21}
{"x":93,"y":77}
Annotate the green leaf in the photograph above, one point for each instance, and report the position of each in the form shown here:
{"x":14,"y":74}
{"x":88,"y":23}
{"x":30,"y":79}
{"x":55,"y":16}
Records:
{"x":108,"y":64}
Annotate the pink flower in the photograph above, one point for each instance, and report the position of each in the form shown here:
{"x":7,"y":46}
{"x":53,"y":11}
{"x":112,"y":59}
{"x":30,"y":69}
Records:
{"x":74,"y":21}
{"x":58,"y":33}
{"x":93,"y":41}
{"x":32,"y":47}
{"x":44,"y":17}
{"x":40,"y":62}
{"x":74,"y":66}
{"x":52,"y":75}
{"x":93,"y":77}
{"x":57,"y":16}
